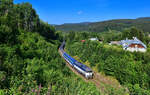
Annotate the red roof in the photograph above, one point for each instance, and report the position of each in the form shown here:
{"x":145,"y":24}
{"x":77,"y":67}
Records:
{"x":82,"y":40}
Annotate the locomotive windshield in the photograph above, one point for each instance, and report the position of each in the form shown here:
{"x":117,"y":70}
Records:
{"x":90,"y":71}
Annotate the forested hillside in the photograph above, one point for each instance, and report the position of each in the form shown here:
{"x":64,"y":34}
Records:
{"x":130,"y":69}
{"x":29,"y":60}
{"x":31,"y":65}
{"x":118,"y":24}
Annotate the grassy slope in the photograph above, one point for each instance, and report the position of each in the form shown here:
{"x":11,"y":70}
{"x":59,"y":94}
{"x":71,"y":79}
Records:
{"x":128,"y":68}
{"x":107,"y":84}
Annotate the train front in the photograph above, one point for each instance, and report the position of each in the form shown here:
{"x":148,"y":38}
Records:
{"x":89,"y":75}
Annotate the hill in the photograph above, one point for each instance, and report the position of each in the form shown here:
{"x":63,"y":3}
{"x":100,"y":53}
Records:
{"x":29,"y":60}
{"x":116,"y":24}
{"x":130,"y":69}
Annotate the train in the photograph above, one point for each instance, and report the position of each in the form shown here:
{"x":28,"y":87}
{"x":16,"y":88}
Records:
{"x":79,"y":67}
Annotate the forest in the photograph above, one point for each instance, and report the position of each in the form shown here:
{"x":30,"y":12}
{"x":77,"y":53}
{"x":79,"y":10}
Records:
{"x":30,"y":63}
{"x":130,"y":69}
{"x":29,"y":60}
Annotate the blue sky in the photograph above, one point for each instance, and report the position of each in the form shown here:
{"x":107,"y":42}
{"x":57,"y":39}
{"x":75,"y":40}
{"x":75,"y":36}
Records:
{"x":74,"y":11}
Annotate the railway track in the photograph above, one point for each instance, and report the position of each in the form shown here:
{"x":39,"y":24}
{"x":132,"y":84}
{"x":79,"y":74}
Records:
{"x":99,"y":80}
{"x":73,"y":70}
{"x":94,"y":80}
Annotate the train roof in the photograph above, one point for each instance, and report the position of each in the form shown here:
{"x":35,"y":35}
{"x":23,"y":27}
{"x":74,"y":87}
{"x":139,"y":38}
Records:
{"x":69,"y":57}
{"x":83,"y":66}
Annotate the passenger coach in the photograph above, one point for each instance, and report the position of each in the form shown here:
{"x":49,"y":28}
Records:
{"x":81,"y":68}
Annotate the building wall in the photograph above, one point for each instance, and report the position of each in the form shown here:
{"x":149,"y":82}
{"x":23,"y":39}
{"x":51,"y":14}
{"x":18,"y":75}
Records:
{"x":93,"y":39}
{"x":136,"y":49}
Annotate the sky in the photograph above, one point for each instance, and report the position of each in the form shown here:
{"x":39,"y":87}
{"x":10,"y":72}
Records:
{"x":75,"y":11}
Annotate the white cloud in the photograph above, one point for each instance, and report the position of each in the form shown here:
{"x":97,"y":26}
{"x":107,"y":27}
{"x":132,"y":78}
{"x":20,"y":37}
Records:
{"x":79,"y":12}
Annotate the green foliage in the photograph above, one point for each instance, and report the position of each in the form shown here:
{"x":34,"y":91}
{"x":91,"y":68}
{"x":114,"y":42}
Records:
{"x":5,"y":6}
{"x":34,"y":61}
{"x":133,"y":32}
{"x":47,"y":31}
{"x":109,"y":36}
{"x":128,"y":68}
{"x":137,"y":90}
{"x":29,"y":58}
{"x":5,"y":33}
{"x":26,"y":17}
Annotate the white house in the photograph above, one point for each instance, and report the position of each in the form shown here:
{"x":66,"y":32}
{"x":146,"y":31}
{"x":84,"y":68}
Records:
{"x":134,"y":45}
{"x":94,"y":39}
{"x":114,"y":43}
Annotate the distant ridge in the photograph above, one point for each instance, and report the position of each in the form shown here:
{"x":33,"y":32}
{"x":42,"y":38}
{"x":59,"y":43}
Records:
{"x":115,"y":24}
{"x":82,"y":23}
